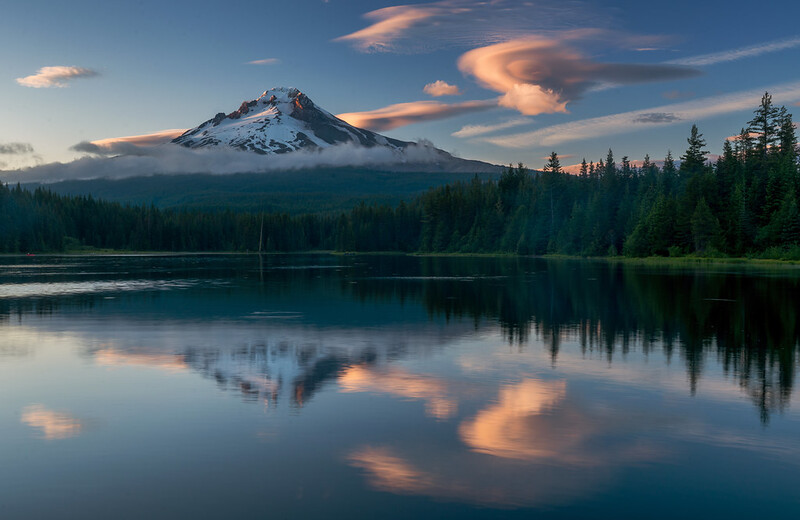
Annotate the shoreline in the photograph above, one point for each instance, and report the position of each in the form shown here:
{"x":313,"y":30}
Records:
{"x":650,"y":261}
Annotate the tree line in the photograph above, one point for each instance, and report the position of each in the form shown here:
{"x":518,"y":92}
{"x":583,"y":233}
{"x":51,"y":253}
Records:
{"x":744,"y":203}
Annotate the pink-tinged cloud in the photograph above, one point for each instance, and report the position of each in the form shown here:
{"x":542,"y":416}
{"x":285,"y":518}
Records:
{"x":427,"y":26}
{"x":637,"y":120}
{"x":539,"y":74}
{"x":561,"y":157}
{"x":751,"y":135}
{"x":531,"y":446}
{"x":265,"y":61}
{"x":129,"y":144}
{"x":575,"y":169}
{"x":441,"y":88}
{"x":115,"y":358}
{"x":401,"y":383}
{"x":390,"y":23}
{"x":402,"y":114}
{"x":58,"y":76}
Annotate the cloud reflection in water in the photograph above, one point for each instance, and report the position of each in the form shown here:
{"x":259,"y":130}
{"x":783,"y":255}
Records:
{"x":401,"y":383}
{"x":51,"y":424}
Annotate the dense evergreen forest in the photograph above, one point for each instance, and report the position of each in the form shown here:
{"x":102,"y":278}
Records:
{"x":746,"y":203}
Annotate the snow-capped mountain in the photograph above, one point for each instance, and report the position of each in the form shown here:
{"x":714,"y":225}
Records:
{"x":281,"y":120}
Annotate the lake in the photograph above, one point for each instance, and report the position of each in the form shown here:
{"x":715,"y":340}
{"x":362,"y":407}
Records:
{"x":382,"y":387}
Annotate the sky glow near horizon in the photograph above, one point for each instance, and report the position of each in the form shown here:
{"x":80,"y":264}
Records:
{"x":504,"y":81}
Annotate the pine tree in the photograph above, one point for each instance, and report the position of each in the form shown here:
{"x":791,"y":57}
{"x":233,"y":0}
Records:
{"x":763,"y":125}
{"x":611,"y":167}
{"x":668,"y":175}
{"x":553,"y":164}
{"x":694,"y":159}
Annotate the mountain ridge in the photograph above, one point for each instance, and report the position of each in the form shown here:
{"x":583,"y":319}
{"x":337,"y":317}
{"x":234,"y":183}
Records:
{"x":281,"y":120}
{"x":284,"y":120}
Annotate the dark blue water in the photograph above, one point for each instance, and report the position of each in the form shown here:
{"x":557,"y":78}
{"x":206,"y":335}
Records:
{"x":396,"y":387}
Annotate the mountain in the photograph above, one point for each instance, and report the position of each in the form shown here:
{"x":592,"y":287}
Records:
{"x":285,"y":120}
{"x":280,"y":120}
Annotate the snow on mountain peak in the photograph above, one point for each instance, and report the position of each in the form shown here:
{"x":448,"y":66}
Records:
{"x":282,"y":119}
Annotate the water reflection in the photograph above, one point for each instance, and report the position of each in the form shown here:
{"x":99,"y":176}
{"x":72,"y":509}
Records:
{"x":112,"y":357}
{"x":497,"y":382}
{"x":51,"y":424}
{"x":517,"y":426}
{"x":744,"y":321}
{"x":403,"y":384}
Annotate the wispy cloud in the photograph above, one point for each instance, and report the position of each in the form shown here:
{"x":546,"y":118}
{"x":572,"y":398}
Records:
{"x":476,"y":130}
{"x":656,"y":118}
{"x":57,"y":76}
{"x":426,"y":27}
{"x":401,"y":114}
{"x":638,"y":119}
{"x":738,"y":54}
{"x":539,"y":74}
{"x":265,"y":61}
{"x":15,"y":148}
{"x":130,"y":144}
{"x":441,"y":88}
{"x":17,"y":154}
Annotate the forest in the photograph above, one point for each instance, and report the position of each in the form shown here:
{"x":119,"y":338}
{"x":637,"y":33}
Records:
{"x":745,"y":203}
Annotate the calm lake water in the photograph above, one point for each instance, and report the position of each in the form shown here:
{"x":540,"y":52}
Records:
{"x":394,"y":387}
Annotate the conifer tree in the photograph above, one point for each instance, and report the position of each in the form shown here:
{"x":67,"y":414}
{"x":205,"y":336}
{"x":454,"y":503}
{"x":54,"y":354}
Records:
{"x":763,"y":125}
{"x":553,"y":164}
{"x":694,"y":159}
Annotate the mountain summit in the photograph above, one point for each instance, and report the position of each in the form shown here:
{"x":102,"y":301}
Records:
{"x":281,"y":120}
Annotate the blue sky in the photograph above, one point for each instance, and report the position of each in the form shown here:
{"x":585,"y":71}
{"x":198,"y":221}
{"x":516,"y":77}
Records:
{"x":530,"y":77}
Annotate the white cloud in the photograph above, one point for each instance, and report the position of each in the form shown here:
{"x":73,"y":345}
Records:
{"x":636,"y":120}
{"x":135,"y":161}
{"x":57,"y":76}
{"x":265,"y":61}
{"x":738,"y":54}
{"x":476,"y":130}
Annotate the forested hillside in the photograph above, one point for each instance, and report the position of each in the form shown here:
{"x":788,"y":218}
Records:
{"x":746,"y":203}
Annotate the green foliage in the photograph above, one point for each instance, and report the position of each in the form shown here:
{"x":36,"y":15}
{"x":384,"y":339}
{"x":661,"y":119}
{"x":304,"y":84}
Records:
{"x":745,"y":204}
